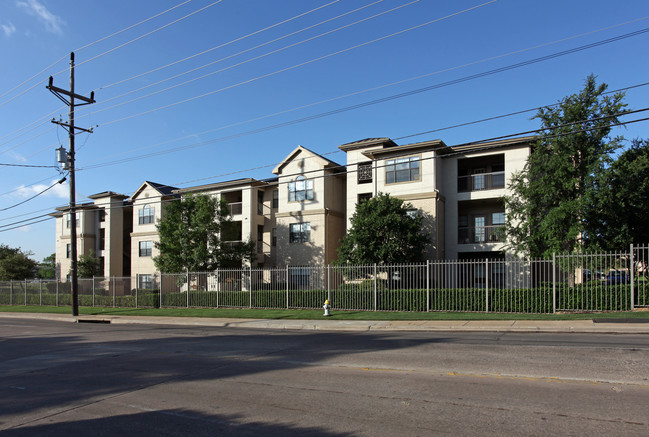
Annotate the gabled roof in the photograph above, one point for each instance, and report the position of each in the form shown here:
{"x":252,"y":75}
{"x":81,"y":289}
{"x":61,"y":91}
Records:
{"x":163,"y":190}
{"x":326,"y":163}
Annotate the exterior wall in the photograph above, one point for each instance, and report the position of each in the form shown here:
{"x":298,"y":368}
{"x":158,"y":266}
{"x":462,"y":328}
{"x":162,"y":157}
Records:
{"x":514,"y":159}
{"x":143,"y":265}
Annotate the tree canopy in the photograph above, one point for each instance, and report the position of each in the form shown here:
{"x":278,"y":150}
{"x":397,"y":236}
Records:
{"x":88,"y":266}
{"x":552,"y":197}
{"x":621,"y":207}
{"x":16,"y":264}
{"x":47,"y":268}
{"x":383,"y":232}
{"x":189,"y":235}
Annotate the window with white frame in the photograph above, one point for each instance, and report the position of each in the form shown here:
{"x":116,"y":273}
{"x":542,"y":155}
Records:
{"x":275,"y":199}
{"x":300,"y":189}
{"x":68,"y":250}
{"x":299,"y":232}
{"x":402,"y":170}
{"x":146,"y":248}
{"x":146,"y":215}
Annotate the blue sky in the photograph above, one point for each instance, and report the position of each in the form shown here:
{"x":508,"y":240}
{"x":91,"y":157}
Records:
{"x":268,"y":63}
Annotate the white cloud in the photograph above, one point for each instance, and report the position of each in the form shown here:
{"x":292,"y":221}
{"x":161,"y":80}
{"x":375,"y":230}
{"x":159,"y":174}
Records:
{"x":8,"y":29}
{"x":59,"y":190}
{"x":52,"y":22}
{"x":26,"y":228}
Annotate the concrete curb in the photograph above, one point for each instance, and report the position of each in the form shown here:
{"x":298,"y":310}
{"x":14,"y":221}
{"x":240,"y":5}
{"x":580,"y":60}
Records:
{"x":521,"y":326}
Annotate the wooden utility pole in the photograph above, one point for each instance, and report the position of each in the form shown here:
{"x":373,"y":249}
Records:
{"x":70,"y":127}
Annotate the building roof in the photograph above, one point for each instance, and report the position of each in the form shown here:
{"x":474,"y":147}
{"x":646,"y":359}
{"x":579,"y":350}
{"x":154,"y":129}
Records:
{"x":107,"y":194}
{"x":487,"y":145}
{"x":405,"y":149}
{"x":164,"y":190}
{"x":367,"y":142}
{"x":221,"y":185}
{"x":326,"y":163}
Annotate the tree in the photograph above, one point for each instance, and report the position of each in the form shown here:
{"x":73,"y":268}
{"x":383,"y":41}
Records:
{"x":16,"y":264}
{"x":190,"y":237}
{"x":47,"y":268}
{"x":383,"y":232}
{"x":551,"y":197}
{"x":88,"y":266}
{"x":621,"y":206}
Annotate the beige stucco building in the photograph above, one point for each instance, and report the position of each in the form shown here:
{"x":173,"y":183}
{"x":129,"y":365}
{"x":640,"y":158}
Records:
{"x":299,"y":216}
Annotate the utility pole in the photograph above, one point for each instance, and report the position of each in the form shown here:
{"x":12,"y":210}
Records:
{"x":70,"y":127}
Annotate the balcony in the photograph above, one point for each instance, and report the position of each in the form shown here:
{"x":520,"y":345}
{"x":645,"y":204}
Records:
{"x":481,"y":234}
{"x":481,"y":181}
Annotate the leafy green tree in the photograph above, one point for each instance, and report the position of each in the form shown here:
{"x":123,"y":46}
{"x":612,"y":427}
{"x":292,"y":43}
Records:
{"x":47,"y":268}
{"x":383,"y":232}
{"x":88,"y":266}
{"x":16,"y":264}
{"x":552,"y":196}
{"x":621,"y":206}
{"x":190,"y":237}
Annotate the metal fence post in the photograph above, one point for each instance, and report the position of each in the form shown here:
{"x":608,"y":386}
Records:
{"x":57,"y":291}
{"x":93,"y":290}
{"x":329,"y":283}
{"x":113,"y":291}
{"x":427,"y":285}
{"x":25,"y":292}
{"x":375,"y":292}
{"x":631,"y":274}
{"x":188,"y":287}
{"x":40,"y":292}
{"x":11,"y":292}
{"x":486,"y":284}
{"x":554,"y":282}
{"x":160,"y":291}
{"x":137,"y":285}
{"x":287,"y":286}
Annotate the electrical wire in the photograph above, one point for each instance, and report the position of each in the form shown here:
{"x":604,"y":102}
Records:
{"x":81,"y":48}
{"x":36,"y":195}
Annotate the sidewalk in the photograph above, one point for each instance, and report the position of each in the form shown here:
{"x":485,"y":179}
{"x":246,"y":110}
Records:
{"x":577,"y":326}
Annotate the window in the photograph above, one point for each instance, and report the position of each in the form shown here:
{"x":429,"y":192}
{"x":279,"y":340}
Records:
{"x":364,"y":196}
{"x":479,"y":179}
{"x":68,"y":250}
{"x":260,"y":202}
{"x":299,"y":232}
{"x":146,"y":215}
{"x":145,"y":248}
{"x":498,"y":218}
{"x":412,"y":213}
{"x":402,"y":170}
{"x":102,"y":215}
{"x":68,"y":223}
{"x":300,"y":189}
{"x":145,"y":281}
{"x":102,"y":238}
{"x":260,"y":238}
{"x":275,"y":199}
{"x":273,"y":233}
{"x":479,"y":229}
{"x":300,"y":276}
{"x":364,"y":174}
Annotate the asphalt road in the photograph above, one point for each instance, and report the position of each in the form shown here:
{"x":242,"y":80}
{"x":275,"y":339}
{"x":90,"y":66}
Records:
{"x":61,"y":378}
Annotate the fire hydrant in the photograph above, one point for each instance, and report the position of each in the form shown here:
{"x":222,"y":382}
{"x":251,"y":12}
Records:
{"x":326,"y":307}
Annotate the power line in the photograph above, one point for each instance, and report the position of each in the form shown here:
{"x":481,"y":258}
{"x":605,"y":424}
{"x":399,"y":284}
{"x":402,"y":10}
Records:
{"x":36,"y":195}
{"x":80,"y":48}
{"x":301,"y":64}
{"x":30,"y":166}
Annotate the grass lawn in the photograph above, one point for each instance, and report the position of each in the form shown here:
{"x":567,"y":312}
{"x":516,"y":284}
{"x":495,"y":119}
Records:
{"x":245,"y":313}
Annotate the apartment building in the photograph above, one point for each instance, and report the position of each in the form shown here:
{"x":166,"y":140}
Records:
{"x":299,"y":216}
{"x":103,"y":229}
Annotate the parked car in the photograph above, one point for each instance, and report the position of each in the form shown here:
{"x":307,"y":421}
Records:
{"x":615,"y":277}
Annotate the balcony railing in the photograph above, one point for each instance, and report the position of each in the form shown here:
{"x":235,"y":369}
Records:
{"x":481,"y":181}
{"x":235,"y":208}
{"x":481,"y":234}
